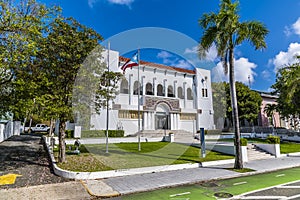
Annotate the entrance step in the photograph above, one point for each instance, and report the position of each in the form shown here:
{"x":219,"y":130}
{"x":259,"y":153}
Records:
{"x":254,"y":153}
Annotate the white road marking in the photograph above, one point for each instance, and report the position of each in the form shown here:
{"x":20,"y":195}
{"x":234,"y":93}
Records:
{"x":279,"y":175}
{"x":240,"y":183}
{"x":289,"y":186}
{"x":180,"y":194}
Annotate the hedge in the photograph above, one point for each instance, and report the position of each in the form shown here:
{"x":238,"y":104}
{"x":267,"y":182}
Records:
{"x":273,"y":139}
{"x":69,"y":133}
{"x":244,"y":142}
{"x":101,"y":133}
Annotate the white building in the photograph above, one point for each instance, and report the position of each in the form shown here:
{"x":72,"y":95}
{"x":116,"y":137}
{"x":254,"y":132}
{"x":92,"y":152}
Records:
{"x":170,"y":98}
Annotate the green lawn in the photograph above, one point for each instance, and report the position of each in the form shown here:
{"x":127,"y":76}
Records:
{"x":289,"y":147}
{"x":207,"y":190}
{"x":126,"y":155}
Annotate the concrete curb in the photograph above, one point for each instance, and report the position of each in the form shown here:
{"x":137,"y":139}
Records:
{"x":126,"y":172}
{"x":107,"y":195}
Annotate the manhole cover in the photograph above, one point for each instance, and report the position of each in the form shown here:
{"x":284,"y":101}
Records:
{"x":209,"y":184}
{"x":223,"y":195}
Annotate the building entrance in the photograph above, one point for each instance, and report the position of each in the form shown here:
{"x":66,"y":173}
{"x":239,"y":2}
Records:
{"x":162,"y":121}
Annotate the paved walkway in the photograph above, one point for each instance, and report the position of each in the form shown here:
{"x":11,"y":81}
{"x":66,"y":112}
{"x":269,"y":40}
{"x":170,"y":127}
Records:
{"x":45,"y":185}
{"x":144,"y":182}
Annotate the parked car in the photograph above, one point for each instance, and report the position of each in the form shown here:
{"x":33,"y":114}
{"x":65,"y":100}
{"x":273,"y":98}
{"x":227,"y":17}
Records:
{"x":38,"y":128}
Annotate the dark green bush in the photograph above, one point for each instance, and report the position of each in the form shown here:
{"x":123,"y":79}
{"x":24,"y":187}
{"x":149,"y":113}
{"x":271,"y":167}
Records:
{"x":101,"y":133}
{"x":69,"y":133}
{"x":273,"y":139}
{"x":244,"y":142}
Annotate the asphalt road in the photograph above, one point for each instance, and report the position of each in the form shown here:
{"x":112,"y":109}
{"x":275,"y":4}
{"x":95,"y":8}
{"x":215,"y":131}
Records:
{"x":25,"y":155}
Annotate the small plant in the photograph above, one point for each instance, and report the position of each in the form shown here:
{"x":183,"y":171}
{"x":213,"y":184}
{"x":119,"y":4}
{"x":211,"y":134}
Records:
{"x":69,"y":133}
{"x":244,"y":142}
{"x":273,"y":139}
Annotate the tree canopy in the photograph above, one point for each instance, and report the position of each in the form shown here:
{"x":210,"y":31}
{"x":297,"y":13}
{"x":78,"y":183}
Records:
{"x":249,"y":102}
{"x":287,"y":87}
{"x":43,"y":58}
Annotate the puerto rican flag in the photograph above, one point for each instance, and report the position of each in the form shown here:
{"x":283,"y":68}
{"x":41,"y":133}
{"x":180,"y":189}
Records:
{"x":131,"y":63}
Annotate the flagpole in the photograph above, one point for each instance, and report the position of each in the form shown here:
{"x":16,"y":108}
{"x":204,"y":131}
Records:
{"x":107,"y":98}
{"x":139,"y":89}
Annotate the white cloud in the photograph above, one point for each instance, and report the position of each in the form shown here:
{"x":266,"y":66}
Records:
{"x":211,"y":54}
{"x":266,"y":74}
{"x":243,"y":70}
{"x":91,"y":3}
{"x":119,"y":2}
{"x":296,"y":27}
{"x":287,"y":31}
{"x":172,"y":60}
{"x":285,"y":58}
{"x":293,"y":29}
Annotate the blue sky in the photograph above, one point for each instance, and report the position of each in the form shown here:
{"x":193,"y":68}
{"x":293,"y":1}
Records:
{"x":282,"y":18}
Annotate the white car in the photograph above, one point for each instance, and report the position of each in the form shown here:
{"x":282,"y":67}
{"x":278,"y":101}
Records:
{"x":40,"y":128}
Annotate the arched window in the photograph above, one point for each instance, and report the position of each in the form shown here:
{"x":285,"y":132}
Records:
{"x":149,"y":89}
{"x":160,"y":90}
{"x":170,"y":91}
{"x":124,"y":87}
{"x":136,"y":88}
{"x":189,"y":94}
{"x":180,"y":93}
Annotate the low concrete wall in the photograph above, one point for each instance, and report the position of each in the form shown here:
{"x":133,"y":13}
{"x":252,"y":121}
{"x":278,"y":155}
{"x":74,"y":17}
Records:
{"x":244,"y":153}
{"x":9,"y":129}
{"x":273,"y":149}
{"x":221,"y":147}
{"x":228,"y":148}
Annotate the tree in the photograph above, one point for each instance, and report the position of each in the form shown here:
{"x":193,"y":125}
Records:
{"x":249,"y":103}
{"x":63,"y":53}
{"x":219,"y":103}
{"x":287,"y":86}
{"x":107,"y":89}
{"x":270,"y":109}
{"x":21,"y":24}
{"x":224,"y":30}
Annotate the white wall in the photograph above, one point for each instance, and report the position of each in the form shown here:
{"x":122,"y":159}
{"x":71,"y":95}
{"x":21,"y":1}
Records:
{"x":9,"y":129}
{"x":188,"y":125}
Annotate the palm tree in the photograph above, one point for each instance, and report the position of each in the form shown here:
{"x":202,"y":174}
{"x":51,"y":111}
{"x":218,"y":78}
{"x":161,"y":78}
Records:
{"x":270,"y":110}
{"x":224,"y":30}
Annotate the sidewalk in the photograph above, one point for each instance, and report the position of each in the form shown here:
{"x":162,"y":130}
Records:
{"x":36,"y":185}
{"x":145,"y":182}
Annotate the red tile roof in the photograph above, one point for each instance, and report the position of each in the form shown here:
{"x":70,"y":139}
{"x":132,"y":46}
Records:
{"x":156,"y":65}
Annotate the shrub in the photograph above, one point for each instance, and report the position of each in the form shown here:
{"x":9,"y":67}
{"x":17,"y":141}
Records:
{"x":101,"y":133}
{"x":244,"y":142}
{"x":69,"y":133}
{"x":273,"y":139}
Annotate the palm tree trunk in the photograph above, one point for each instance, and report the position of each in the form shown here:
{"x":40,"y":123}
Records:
{"x":238,"y":164}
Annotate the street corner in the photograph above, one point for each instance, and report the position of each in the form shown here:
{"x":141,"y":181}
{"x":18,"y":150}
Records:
{"x":8,"y":179}
{"x":98,"y":188}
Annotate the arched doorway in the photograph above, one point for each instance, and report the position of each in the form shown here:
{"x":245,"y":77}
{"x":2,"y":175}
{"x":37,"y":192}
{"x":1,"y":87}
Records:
{"x":162,"y":117}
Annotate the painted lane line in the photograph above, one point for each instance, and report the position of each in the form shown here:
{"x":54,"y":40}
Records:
{"x":279,"y":175}
{"x":261,"y":197}
{"x":240,"y":183}
{"x":289,"y":186}
{"x":179,"y":194}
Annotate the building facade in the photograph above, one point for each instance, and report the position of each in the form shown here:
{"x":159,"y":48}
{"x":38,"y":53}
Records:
{"x":168,"y":98}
